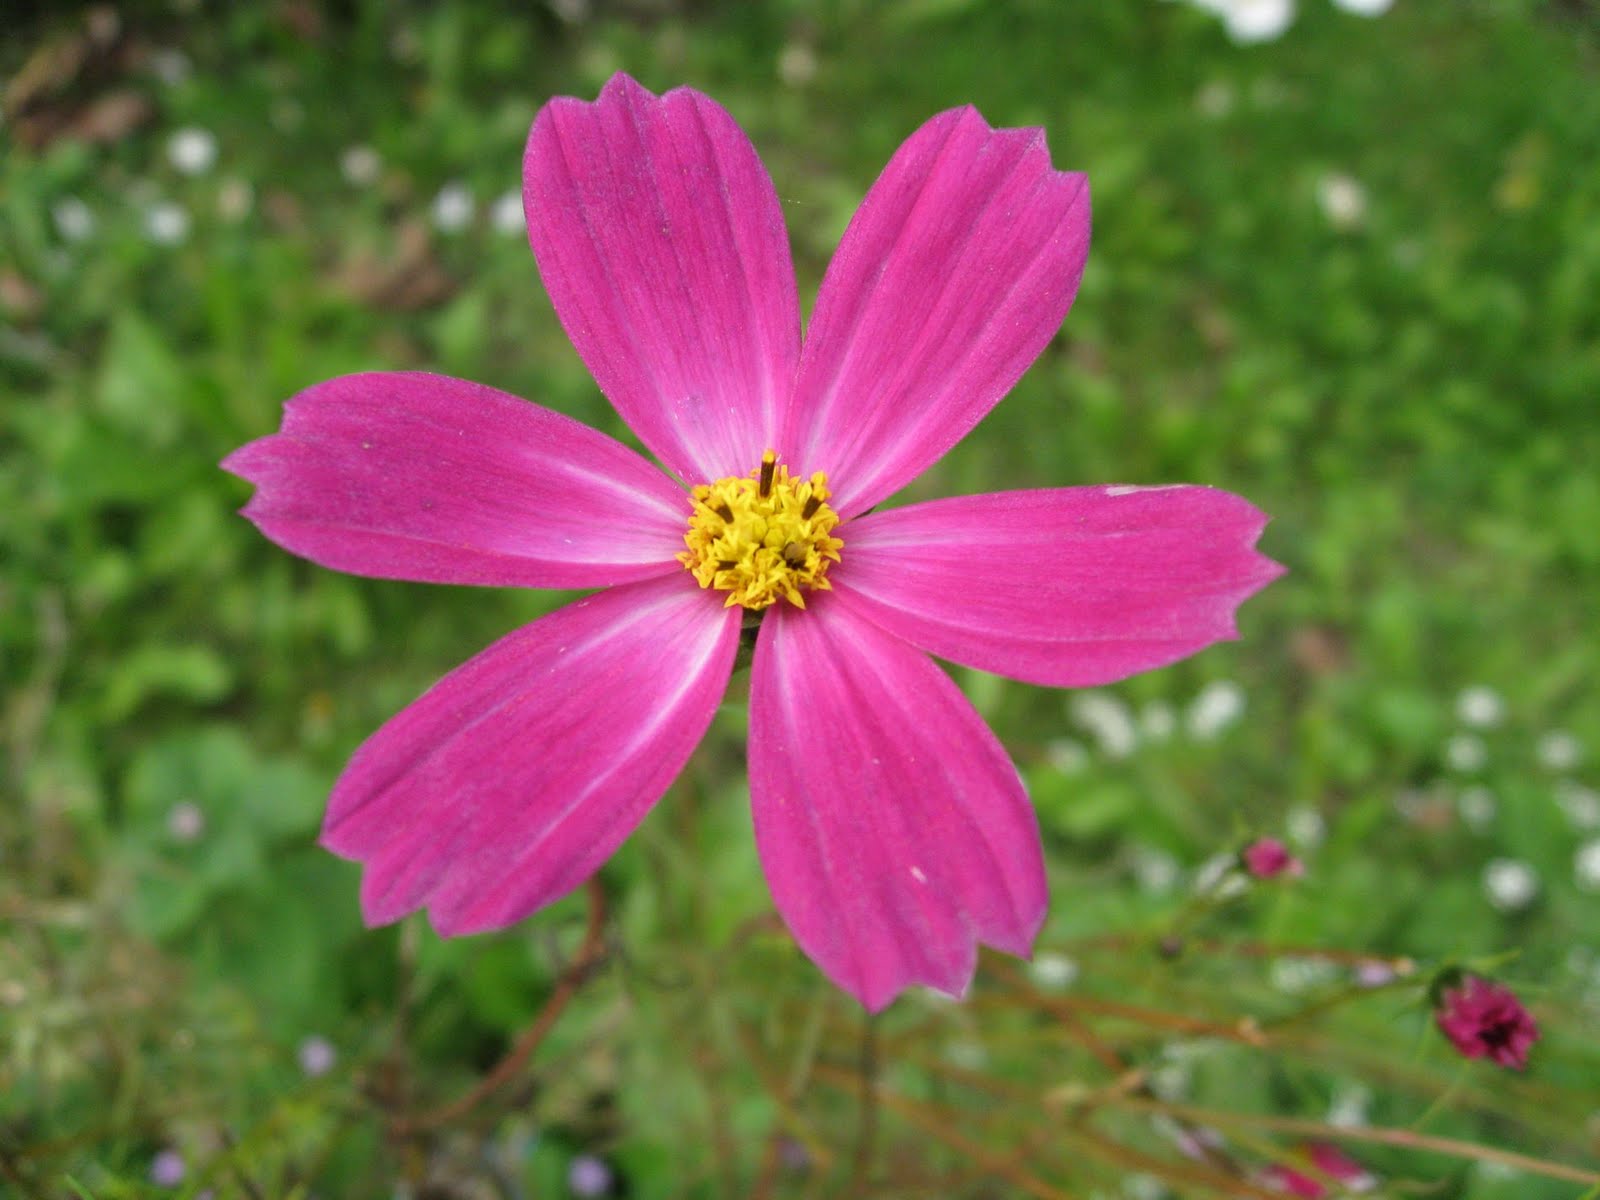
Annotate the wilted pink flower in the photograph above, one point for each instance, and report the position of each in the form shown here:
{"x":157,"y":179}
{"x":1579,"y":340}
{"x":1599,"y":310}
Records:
{"x":1267,"y":858}
{"x":893,"y":829}
{"x":1486,"y":1020}
{"x":1329,"y":1161}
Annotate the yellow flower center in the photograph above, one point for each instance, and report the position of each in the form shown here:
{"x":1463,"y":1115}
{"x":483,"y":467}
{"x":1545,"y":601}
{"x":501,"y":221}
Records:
{"x":762,"y":535}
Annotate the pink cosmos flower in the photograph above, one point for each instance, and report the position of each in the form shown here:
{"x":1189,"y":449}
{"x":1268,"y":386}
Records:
{"x":1329,"y":1161}
{"x":1486,"y":1020}
{"x":1268,"y":858}
{"x":893,"y":829}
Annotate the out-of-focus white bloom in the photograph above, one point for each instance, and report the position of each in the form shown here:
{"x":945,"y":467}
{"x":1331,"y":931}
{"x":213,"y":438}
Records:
{"x":573,"y":12}
{"x":507,"y":216}
{"x":1480,"y":707}
{"x":185,"y":822}
{"x":1065,"y":755}
{"x":1249,"y":22}
{"x":316,"y":1056}
{"x":1558,"y":750}
{"x":1465,"y":752}
{"x":1510,"y":884}
{"x":1342,"y":199}
{"x":1375,"y":973}
{"x":192,"y":151}
{"x":1170,"y":1082}
{"x":1213,"y":871}
{"x":1294,"y":975}
{"x":1477,"y":807}
{"x":797,"y":64}
{"x":1158,"y":720}
{"x":1365,"y":8}
{"x":1219,"y":704}
{"x":1108,"y":719}
{"x":1305,"y":826}
{"x":1214,"y":99}
{"x":1155,"y":870}
{"x":235,"y":199}
{"x":1143,"y":1187}
{"x":360,"y":165}
{"x":1581,"y":804}
{"x":170,"y":66}
{"x":1349,"y":1107}
{"x":452,"y":208}
{"x":1053,"y":972}
{"x":74,"y":221}
{"x":166,"y":223}
{"x":1586,"y":866}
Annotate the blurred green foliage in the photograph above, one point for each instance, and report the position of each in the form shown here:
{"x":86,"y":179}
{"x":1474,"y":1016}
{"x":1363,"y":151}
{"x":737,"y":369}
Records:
{"x":1353,"y":274}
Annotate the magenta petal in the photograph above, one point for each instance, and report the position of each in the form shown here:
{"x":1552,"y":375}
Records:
{"x":1069,"y":587}
{"x":893,"y":829}
{"x":514,"y":777}
{"x":956,"y":271}
{"x":662,"y":244}
{"x":414,"y":476}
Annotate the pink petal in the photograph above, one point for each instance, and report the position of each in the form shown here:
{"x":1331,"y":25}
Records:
{"x":516,"y":775}
{"x":414,"y":476}
{"x":662,"y":244}
{"x":1069,"y":587}
{"x":955,"y":272}
{"x":894,"y":831}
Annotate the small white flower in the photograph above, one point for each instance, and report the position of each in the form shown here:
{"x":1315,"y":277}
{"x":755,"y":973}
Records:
{"x":73,"y":218}
{"x":317,"y":1056}
{"x":1477,"y":807}
{"x":1053,"y":972}
{"x":1294,"y":975}
{"x":1305,"y":826}
{"x":1250,"y":22}
{"x":1480,"y":707}
{"x":1558,"y":750}
{"x":186,"y":822}
{"x":1108,"y":719}
{"x":1375,"y":973}
{"x":1219,"y":704}
{"x":360,"y":165}
{"x":1365,"y":8}
{"x":1170,"y":1082}
{"x":1510,"y":884}
{"x":1143,"y":1187}
{"x":797,"y":64}
{"x":192,"y":151}
{"x":1213,"y":871}
{"x":453,"y":208}
{"x":1465,"y":752}
{"x":1586,"y":866}
{"x":1342,"y":199}
{"x":1349,"y":1107}
{"x":1581,"y":804}
{"x":1156,"y":870}
{"x":507,"y":216}
{"x":1158,"y":720}
{"x":170,"y":66}
{"x":166,"y":223}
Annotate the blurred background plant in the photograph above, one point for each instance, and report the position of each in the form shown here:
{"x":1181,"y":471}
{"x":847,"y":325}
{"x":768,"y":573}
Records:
{"x":1346,"y":263}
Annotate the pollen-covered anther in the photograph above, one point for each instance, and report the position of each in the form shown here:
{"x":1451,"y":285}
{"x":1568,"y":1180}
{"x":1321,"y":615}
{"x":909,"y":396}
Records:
{"x":762,"y":536}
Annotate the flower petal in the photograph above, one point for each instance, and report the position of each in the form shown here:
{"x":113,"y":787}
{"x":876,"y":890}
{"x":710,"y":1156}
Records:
{"x":1069,"y":587}
{"x":893,"y":829}
{"x":955,"y":273}
{"x":662,"y":245}
{"x":415,"y":476}
{"x":516,"y":775}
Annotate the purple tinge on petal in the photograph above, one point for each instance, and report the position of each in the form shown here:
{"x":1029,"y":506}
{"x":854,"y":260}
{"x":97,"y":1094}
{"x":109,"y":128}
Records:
{"x":509,"y":782}
{"x":893,"y":829}
{"x":956,"y":271}
{"x":1069,"y":587}
{"x":661,"y":242}
{"x":424,"y":477}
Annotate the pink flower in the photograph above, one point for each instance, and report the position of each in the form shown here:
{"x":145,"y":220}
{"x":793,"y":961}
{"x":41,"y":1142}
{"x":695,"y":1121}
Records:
{"x":1328,"y":1161}
{"x":1267,"y":858}
{"x":892,"y":827}
{"x":1486,"y":1020}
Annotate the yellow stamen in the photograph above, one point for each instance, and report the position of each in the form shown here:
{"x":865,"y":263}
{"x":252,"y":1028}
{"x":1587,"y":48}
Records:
{"x":762,"y":536}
